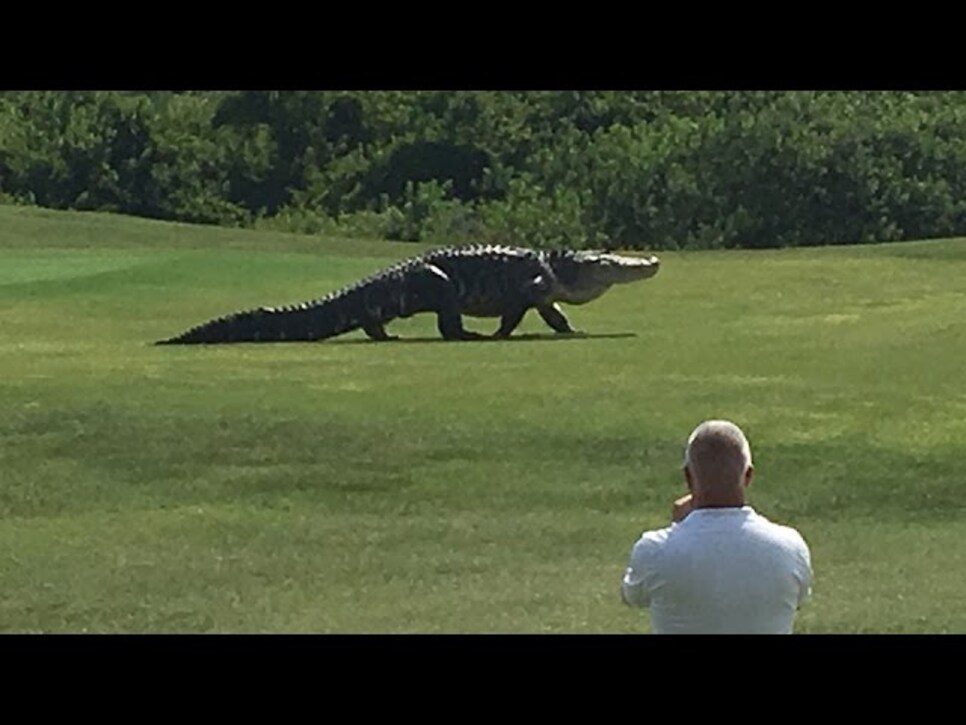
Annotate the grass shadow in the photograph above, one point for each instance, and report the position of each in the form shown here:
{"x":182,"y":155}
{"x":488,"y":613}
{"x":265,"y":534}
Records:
{"x":532,"y":337}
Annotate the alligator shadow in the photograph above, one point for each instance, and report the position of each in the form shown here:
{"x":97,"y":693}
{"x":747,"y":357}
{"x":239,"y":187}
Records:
{"x":531,"y":337}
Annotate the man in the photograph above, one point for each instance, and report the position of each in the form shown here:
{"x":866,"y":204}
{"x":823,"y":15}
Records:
{"x":719,"y":567}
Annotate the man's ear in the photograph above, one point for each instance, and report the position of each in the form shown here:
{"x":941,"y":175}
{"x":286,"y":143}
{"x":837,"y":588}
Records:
{"x":687,"y":477}
{"x":749,"y":474}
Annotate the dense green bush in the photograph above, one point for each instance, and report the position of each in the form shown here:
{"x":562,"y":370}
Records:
{"x":635,"y":169}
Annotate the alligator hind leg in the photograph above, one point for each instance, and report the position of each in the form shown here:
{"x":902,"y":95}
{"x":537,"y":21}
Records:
{"x":377,"y":331}
{"x":554,"y":316}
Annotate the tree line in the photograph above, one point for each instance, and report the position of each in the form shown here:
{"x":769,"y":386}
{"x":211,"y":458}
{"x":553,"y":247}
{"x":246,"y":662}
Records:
{"x":649,"y":169}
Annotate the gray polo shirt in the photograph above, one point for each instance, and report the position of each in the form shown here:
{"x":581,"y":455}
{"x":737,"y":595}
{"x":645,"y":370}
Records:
{"x":720,"y":570}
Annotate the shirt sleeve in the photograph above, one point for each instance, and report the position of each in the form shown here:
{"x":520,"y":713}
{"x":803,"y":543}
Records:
{"x":639,"y":576}
{"x":633,"y":590}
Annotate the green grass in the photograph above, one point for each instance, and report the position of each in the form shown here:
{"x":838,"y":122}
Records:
{"x":347,"y":486}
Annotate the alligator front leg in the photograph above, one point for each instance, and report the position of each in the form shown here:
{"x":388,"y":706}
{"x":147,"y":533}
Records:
{"x":434,"y":285}
{"x":554,"y":316}
{"x":531,"y":295}
{"x":509,"y":322}
{"x":450,"y":326}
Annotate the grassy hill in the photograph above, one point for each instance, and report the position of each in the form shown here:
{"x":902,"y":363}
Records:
{"x":348,"y":486}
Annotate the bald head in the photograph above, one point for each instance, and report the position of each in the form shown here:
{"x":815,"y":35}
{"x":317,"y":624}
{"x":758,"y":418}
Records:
{"x":717,"y":460}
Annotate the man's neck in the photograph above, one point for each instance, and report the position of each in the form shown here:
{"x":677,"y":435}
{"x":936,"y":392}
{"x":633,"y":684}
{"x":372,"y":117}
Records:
{"x":728,"y":503}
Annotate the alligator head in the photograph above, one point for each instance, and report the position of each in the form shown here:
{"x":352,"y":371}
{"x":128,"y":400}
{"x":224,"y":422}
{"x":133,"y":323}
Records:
{"x":583,"y":276}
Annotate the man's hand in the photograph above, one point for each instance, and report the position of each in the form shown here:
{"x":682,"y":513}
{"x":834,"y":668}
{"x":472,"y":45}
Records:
{"x":682,"y":507}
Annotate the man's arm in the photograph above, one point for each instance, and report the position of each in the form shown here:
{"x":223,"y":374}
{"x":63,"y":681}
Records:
{"x":640,"y":576}
{"x":682,"y":507}
{"x":805,"y":575}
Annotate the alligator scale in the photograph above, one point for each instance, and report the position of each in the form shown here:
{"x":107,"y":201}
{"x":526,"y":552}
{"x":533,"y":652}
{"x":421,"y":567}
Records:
{"x":478,"y":281}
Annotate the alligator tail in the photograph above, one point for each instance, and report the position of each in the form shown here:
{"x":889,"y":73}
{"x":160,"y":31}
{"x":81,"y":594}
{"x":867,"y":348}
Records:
{"x":308,"y":321}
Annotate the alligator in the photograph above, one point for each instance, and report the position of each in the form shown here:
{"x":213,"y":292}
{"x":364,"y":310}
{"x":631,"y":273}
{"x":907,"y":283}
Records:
{"x":478,"y":281}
